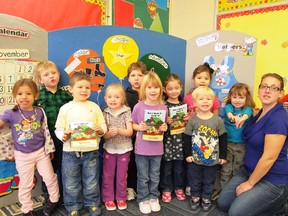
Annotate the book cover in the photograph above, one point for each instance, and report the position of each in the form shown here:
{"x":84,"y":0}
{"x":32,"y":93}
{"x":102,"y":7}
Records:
{"x":154,"y":119}
{"x":83,"y":135}
{"x":177,"y":114}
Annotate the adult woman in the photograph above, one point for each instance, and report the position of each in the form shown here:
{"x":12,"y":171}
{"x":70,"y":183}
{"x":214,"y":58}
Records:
{"x":261,"y":187}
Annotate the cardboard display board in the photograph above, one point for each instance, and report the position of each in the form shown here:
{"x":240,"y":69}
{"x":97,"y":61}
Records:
{"x":232,"y":56}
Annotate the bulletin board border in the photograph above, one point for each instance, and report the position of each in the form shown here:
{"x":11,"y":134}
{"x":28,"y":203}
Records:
{"x":249,"y":12}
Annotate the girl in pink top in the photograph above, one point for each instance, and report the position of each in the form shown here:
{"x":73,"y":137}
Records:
{"x":202,"y":76}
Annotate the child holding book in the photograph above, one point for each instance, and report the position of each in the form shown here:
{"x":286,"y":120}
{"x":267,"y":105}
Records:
{"x":238,"y":109}
{"x":135,"y":73}
{"x":117,"y":147}
{"x":80,"y":124}
{"x":173,"y":167}
{"x":205,"y":140}
{"x":149,"y":117}
{"x":33,"y":146}
{"x":51,"y":98}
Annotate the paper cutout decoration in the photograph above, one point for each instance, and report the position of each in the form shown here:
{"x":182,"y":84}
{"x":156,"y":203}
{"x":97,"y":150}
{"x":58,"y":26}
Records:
{"x":157,"y":63}
{"x":89,"y":62}
{"x":119,"y":52}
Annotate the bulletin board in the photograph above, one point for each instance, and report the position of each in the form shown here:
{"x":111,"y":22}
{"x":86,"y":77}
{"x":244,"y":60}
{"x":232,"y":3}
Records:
{"x":269,"y":26}
{"x":226,"y":5}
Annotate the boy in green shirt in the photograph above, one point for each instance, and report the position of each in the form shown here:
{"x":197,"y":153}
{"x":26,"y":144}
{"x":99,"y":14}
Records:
{"x":51,"y":98}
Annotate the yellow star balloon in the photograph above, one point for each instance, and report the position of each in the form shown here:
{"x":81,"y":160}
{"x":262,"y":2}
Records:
{"x":119,"y":52}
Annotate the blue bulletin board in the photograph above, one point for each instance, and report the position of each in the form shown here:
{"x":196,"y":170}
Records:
{"x":130,"y":43}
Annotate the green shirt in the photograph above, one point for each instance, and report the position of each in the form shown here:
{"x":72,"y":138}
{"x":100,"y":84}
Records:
{"x":51,"y":104}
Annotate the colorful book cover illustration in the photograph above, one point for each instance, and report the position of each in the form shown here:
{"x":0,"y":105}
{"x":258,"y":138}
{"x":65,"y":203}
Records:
{"x":154,"y":119}
{"x":177,"y":114}
{"x":83,"y":135}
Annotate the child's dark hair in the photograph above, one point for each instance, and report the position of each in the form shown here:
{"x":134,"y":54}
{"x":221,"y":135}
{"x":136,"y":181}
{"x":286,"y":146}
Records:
{"x":137,"y":66}
{"x":203,"y":68}
{"x":78,"y":76}
{"x":25,"y":82}
{"x":241,"y":89}
{"x":170,"y":78}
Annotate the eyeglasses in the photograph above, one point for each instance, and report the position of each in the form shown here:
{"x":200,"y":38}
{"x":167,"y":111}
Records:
{"x":271,"y":88}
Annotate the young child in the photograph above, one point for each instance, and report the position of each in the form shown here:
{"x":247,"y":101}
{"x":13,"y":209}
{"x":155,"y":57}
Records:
{"x":136,"y":71}
{"x":202,"y":76}
{"x":205,"y":140}
{"x":148,"y":154}
{"x":172,"y":167}
{"x":80,"y":165}
{"x":51,"y":98}
{"x":33,"y":145}
{"x":238,"y":109}
{"x":117,"y":147}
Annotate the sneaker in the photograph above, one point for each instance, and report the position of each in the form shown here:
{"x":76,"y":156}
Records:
{"x":31,"y":213}
{"x":49,"y":207}
{"x":74,"y":213}
{"x":166,"y":197}
{"x":131,"y":194}
{"x":155,"y":206}
{"x":121,"y":204}
{"x":206,"y":204}
{"x":180,"y":194}
{"x":94,"y":210}
{"x":195,"y":203}
{"x":188,"y":191}
{"x":145,"y":207}
{"x":110,"y":205}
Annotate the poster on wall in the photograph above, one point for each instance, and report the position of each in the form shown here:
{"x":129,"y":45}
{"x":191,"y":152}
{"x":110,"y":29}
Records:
{"x":272,"y":41}
{"x":231,"y":55}
{"x":144,"y":14}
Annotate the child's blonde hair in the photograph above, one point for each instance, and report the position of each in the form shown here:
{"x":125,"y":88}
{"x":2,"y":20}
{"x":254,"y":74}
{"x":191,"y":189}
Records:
{"x":241,"y":89}
{"x":119,"y":88}
{"x":153,"y":79}
{"x":137,"y":66}
{"x":78,"y":76}
{"x":44,"y":65}
{"x":202,"y":90}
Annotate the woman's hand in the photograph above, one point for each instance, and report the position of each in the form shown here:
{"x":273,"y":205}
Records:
{"x":243,"y":187}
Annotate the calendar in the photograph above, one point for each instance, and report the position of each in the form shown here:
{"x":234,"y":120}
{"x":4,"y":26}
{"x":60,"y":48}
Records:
{"x":10,"y":72}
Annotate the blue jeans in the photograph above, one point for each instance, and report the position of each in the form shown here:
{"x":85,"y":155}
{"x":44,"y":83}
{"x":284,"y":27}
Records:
{"x":80,"y":177}
{"x":201,"y":179}
{"x":263,"y":199}
{"x":148,"y":176}
{"x":172,"y":175}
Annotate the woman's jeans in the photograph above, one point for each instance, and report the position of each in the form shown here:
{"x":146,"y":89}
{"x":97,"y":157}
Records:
{"x":263,"y":199}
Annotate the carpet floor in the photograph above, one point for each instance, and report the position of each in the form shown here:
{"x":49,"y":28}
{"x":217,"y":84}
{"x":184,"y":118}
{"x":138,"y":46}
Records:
{"x":175,"y":208}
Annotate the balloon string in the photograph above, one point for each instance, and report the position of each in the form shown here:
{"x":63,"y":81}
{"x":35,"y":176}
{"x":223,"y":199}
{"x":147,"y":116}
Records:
{"x":120,"y":80}
{"x":98,"y":95}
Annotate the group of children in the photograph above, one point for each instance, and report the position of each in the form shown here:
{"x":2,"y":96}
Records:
{"x":190,"y":159}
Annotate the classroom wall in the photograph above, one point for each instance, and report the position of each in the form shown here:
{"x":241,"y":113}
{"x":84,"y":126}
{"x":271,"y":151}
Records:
{"x":189,"y":18}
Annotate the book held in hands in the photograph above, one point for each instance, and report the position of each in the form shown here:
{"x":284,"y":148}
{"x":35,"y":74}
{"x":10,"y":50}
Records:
{"x":83,"y":136}
{"x":177,"y":114}
{"x":154,"y":119}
